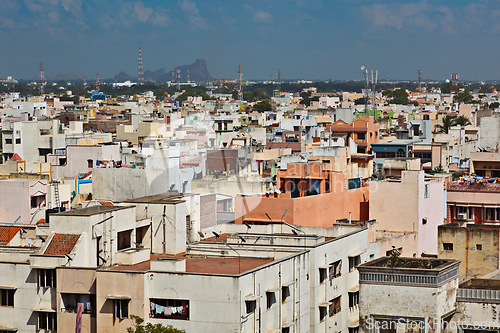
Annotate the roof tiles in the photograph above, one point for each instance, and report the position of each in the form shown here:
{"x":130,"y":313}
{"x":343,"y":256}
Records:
{"x":61,"y":244}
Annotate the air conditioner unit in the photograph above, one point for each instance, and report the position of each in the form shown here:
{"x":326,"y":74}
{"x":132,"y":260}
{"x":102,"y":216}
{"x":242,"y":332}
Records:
{"x":462,"y":216}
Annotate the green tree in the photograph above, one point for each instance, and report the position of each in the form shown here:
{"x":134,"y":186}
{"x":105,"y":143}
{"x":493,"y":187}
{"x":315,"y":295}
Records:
{"x":494,"y":105}
{"x":193,"y":92}
{"x":463,"y":97}
{"x":235,"y":95}
{"x":359,"y":101}
{"x":447,"y":123}
{"x":138,"y":327}
{"x":462,"y":121}
{"x":262,"y":106}
{"x":446,"y":88}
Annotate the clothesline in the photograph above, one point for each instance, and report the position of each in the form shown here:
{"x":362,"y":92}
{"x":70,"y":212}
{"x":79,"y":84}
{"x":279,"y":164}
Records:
{"x":168,"y":310}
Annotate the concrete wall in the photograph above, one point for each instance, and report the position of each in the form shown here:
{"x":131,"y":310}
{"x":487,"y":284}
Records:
{"x":475,"y":262}
{"x":26,"y":297}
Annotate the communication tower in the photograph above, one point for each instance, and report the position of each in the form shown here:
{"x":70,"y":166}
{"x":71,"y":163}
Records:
{"x":173,"y":76}
{"x":97,"y":82}
{"x":178,"y":78}
{"x":240,"y":84}
{"x":85,"y":81}
{"x":188,"y":75}
{"x":140,"y":74}
{"x":279,"y":81}
{"x":42,"y":79}
{"x":454,"y":81}
{"x":420,"y":80}
{"x":116,"y":79}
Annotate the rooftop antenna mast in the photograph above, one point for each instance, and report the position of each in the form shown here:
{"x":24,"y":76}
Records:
{"x":140,"y":74}
{"x":366,"y":90}
{"x":279,"y":81}
{"x":420,"y":80}
{"x":240,"y":84}
{"x":178,"y":78}
{"x":374,"y":91}
{"x":42,"y":79}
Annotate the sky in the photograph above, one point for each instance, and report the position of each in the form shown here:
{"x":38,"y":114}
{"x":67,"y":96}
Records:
{"x":307,"y":39}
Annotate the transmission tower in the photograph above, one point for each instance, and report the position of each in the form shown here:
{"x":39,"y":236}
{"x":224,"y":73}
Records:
{"x":140,"y":74}
{"x":97,"y":82}
{"x":42,"y":79}
{"x":188,"y":75}
{"x":178,"y":78}
{"x":240,"y":84}
{"x":85,"y":81}
{"x":420,"y":80}
{"x":279,"y":81}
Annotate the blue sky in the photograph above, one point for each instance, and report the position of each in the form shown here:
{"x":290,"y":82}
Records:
{"x":307,"y":39}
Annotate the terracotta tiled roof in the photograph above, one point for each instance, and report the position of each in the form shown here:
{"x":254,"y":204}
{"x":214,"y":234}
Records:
{"x":16,"y":157}
{"x":7,"y":233}
{"x":61,"y":244}
{"x":106,"y":203}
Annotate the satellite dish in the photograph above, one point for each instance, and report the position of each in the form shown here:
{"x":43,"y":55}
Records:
{"x":30,"y":242}
{"x":362,"y":68}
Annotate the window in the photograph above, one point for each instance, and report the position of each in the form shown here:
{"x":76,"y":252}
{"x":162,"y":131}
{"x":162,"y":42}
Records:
{"x":400,"y":153}
{"x":47,"y":321}
{"x":124,"y":238}
{"x":18,"y":141}
{"x":285,"y":330}
{"x":335,"y":306}
{"x":479,"y":247}
{"x":361,"y":136}
{"x":37,"y":201}
{"x":372,"y":256}
{"x":7,"y":297}
{"x":335,"y":270}
{"x":270,"y":299}
{"x":353,"y":299}
{"x":285,"y":292}
{"x":169,"y":309}
{"x":322,"y":313}
{"x":121,"y":308}
{"x":354,"y":329}
{"x":426,"y":191}
{"x":44,"y":151}
{"x":70,"y":301}
{"x":46,"y":278}
{"x":90,"y":163}
{"x":250,"y":306}
{"x":385,"y":154}
{"x":8,"y":141}
{"x":322,"y":275}
{"x":491,"y":214}
{"x":424,"y":221}
{"x":448,"y":246}
{"x":463,"y":213}
{"x":353,"y":262}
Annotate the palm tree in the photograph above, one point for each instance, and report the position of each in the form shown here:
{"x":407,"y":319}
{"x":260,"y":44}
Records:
{"x":447,"y":124}
{"x":462,"y":121}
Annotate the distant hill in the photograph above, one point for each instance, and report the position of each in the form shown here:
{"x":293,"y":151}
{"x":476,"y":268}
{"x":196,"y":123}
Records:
{"x":197,"y":72}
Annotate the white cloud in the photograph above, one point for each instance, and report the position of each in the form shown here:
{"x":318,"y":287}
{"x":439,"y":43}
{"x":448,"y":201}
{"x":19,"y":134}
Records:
{"x":193,"y":14}
{"x":73,"y":6}
{"x":143,"y":13}
{"x":161,"y":17}
{"x":262,"y":17}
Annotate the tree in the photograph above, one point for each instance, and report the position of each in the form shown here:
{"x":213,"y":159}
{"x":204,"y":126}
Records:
{"x":262,"y":106}
{"x":359,"y":101}
{"x":398,"y":96}
{"x":494,"y":105}
{"x":235,"y":95}
{"x":193,"y":92}
{"x":462,"y":121}
{"x":447,"y":123}
{"x":137,"y":327}
{"x":463,"y":97}
{"x":446,"y":88}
